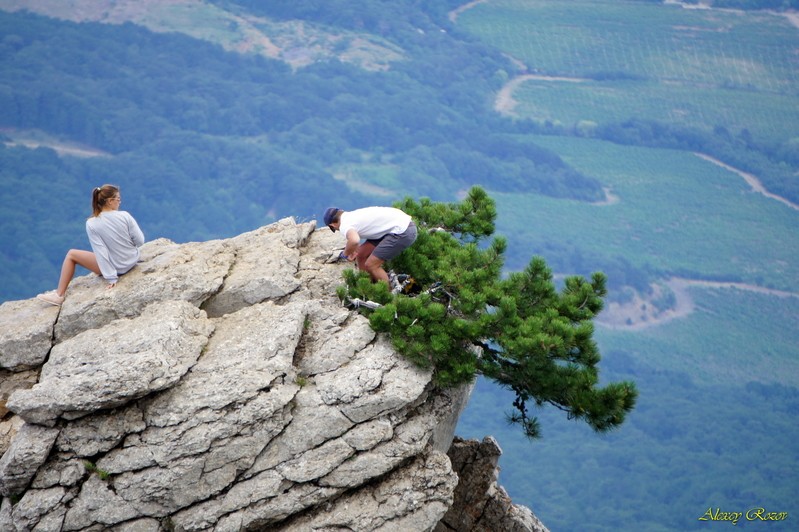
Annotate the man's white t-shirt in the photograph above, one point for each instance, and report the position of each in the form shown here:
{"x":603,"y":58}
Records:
{"x":374,"y":222}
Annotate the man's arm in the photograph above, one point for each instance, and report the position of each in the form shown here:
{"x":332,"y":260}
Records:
{"x":353,"y":239}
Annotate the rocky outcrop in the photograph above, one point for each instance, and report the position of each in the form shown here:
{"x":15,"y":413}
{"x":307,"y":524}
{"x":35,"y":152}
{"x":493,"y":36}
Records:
{"x":222,"y":386}
{"x":481,"y":505}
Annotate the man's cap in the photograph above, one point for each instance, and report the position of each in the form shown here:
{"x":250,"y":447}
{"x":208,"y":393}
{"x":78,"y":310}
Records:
{"x":330,"y":213}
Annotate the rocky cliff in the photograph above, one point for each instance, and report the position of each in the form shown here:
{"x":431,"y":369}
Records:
{"x":223,"y":386}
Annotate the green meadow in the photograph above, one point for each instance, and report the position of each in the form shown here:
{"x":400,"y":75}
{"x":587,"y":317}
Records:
{"x":700,"y":68}
{"x":672,"y":212}
{"x":641,"y":40}
{"x":733,"y":336}
{"x":772,"y":117}
{"x":716,"y":423}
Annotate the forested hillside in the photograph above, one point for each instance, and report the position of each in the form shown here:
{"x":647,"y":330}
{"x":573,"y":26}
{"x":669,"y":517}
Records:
{"x":687,"y":116}
{"x":207,"y":143}
{"x":583,"y":118}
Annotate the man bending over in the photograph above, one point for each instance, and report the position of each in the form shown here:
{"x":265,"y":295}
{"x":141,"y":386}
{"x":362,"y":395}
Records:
{"x":385,"y":231}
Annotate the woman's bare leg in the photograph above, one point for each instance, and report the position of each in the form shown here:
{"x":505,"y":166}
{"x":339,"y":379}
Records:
{"x":75,"y":257}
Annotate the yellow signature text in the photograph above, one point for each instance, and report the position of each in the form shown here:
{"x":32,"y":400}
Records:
{"x":753,"y":514}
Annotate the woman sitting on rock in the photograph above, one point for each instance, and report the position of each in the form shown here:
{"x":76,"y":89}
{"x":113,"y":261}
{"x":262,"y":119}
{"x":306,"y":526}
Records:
{"x":115,"y":238}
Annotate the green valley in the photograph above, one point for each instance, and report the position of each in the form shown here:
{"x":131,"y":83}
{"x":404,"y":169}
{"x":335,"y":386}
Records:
{"x":656,"y":142}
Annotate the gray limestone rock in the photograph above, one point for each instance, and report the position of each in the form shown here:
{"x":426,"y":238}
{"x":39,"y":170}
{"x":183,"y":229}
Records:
{"x":26,"y":333}
{"x":222,"y":386}
{"x":40,"y":510}
{"x":116,"y":364}
{"x":9,"y":383}
{"x":190,"y":272}
{"x":412,"y":498}
{"x":480,"y":504}
{"x":26,"y":454}
{"x":266,"y":263}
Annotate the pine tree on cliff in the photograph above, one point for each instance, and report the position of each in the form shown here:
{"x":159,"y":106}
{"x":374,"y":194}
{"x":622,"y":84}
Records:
{"x":517,"y":330}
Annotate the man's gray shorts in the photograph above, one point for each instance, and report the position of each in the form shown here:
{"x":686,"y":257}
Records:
{"x":391,"y":245}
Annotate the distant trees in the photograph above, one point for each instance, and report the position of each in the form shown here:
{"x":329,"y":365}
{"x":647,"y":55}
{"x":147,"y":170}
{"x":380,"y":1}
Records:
{"x":225,"y":141}
{"x":120,"y":92}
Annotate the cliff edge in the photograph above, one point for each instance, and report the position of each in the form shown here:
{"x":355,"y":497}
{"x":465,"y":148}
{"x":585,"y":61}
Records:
{"x":221,"y":385}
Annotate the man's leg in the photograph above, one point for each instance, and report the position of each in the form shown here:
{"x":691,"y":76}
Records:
{"x":363,"y":252}
{"x":374,"y":266}
{"x":369,"y":263}
{"x":389,"y":247}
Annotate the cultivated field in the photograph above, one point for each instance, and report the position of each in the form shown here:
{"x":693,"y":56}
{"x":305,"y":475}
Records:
{"x":675,"y":213}
{"x":703,"y":68}
{"x":716,"y":421}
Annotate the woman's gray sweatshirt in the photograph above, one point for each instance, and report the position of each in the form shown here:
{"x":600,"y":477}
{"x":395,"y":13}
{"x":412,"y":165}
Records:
{"x":115,"y":238}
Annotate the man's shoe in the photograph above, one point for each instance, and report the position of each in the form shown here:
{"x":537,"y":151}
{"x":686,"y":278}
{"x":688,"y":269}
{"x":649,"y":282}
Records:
{"x":51,"y":297}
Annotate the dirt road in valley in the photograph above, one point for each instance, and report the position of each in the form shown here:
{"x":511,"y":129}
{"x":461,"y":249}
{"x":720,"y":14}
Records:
{"x":641,"y":313}
{"x":61,"y":150}
{"x":504,"y":102}
{"x":453,"y":15}
{"x":754,"y":182}
{"x":37,"y":139}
